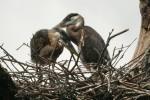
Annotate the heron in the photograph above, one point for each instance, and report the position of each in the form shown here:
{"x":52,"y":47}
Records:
{"x":47,"y":45}
{"x":92,"y":43}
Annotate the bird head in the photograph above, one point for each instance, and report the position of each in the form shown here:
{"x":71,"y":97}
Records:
{"x":72,"y":19}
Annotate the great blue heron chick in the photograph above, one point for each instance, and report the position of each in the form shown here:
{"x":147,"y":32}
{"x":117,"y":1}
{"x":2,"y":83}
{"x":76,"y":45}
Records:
{"x":93,"y":43}
{"x":45,"y":45}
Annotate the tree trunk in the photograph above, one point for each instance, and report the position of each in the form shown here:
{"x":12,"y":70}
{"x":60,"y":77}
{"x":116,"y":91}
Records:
{"x":144,"y":37}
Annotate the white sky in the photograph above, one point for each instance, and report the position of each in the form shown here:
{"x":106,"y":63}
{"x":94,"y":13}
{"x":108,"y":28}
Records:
{"x":19,"y":19}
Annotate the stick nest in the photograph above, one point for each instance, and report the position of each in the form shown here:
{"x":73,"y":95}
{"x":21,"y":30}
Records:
{"x":65,"y":81}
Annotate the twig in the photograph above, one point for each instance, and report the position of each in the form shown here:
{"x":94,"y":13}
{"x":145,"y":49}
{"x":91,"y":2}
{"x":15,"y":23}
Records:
{"x":107,"y":43}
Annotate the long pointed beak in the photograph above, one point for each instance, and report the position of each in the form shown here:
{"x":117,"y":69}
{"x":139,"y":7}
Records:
{"x":70,"y":47}
{"x":66,"y":41}
{"x":68,"y":44}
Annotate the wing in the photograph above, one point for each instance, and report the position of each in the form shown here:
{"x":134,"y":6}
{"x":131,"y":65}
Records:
{"x":38,"y":41}
{"x":94,"y":45}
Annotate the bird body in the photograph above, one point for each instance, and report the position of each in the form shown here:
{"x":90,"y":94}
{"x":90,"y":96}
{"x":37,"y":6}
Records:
{"x":45,"y":45}
{"x":93,"y":45}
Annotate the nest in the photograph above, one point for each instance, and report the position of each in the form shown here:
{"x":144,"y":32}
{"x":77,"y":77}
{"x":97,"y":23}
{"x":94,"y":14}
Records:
{"x":65,"y":81}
